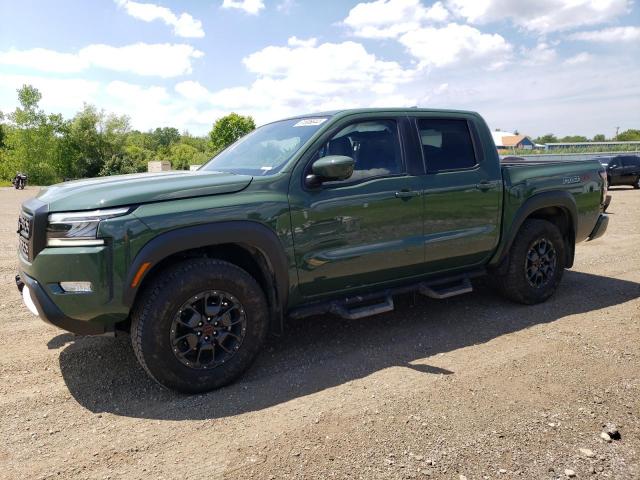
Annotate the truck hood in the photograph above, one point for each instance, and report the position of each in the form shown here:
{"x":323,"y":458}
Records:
{"x":119,"y":190}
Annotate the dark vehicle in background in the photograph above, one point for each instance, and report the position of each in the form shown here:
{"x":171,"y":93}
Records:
{"x":19,"y":181}
{"x":623,"y":170}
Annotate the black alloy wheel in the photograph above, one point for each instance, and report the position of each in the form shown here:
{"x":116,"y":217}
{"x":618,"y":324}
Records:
{"x":541,"y":263}
{"x":208,"y":329}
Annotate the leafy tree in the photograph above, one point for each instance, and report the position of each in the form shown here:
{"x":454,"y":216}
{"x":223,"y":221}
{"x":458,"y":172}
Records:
{"x":599,"y":138}
{"x":199,"y":143}
{"x":93,"y":139}
{"x":574,"y":139}
{"x":182,"y":156}
{"x":629,"y":136}
{"x":120,"y":164}
{"x":228,"y":129}
{"x":33,"y":144}
{"x":548,"y":138}
{"x":164,"y":137}
{"x":3,"y":130}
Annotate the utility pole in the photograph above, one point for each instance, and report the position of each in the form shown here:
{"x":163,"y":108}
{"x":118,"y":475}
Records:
{"x":617,"y":130}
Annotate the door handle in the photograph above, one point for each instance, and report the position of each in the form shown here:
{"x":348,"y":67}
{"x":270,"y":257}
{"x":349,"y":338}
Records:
{"x":484,"y":185}
{"x":406,"y":193}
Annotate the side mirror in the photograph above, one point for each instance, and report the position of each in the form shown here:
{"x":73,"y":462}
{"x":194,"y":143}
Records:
{"x":330,"y":168}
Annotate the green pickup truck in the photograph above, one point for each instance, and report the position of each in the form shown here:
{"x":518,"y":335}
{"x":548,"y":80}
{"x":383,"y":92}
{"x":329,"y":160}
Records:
{"x":329,"y":213}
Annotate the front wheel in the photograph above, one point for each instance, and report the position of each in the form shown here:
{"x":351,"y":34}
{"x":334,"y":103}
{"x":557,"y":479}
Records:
{"x":199,"y":325}
{"x":536,"y":263}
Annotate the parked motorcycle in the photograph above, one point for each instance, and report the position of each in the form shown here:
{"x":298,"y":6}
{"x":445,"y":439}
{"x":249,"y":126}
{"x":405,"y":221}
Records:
{"x":19,"y":181}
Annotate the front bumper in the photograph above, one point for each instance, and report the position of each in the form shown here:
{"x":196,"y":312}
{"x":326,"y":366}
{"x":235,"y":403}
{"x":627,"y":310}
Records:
{"x":39,"y":303}
{"x":600,"y":228}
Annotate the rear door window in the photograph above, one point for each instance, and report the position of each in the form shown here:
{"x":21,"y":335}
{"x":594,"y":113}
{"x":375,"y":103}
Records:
{"x":446,"y":144}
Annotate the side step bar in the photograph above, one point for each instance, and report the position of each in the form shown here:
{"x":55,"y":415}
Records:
{"x":440,"y":292}
{"x":360,"y":306}
{"x":386,"y":305}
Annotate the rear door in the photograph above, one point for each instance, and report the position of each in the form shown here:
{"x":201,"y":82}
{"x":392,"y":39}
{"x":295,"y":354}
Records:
{"x":462,"y":192}
{"x":363,"y":231}
{"x":616,"y":171}
{"x":630,"y":169}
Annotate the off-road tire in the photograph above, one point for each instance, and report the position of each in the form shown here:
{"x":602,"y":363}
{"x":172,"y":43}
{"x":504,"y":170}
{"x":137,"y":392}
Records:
{"x":160,"y":301}
{"x":514,"y":284}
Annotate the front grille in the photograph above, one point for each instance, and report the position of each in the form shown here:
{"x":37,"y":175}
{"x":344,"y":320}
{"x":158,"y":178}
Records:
{"x":25,"y":226}
{"x":23,"y":246}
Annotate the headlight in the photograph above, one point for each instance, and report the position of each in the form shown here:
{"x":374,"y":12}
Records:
{"x":79,"y":229}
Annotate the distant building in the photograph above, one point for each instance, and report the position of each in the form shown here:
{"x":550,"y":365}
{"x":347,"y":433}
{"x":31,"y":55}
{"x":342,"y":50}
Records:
{"x":511,"y":141}
{"x":159,"y":166}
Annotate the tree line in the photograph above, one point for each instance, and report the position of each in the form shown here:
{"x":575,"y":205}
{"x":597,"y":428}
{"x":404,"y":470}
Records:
{"x":626,"y":136}
{"x":50,"y":148}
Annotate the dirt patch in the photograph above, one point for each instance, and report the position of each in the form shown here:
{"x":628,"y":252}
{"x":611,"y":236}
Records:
{"x":473,"y":387}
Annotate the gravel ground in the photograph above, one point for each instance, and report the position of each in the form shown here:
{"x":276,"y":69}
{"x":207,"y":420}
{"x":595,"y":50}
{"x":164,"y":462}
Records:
{"x":472,"y":387}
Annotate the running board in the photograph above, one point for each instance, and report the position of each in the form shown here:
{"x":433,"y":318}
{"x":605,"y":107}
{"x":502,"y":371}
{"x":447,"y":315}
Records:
{"x":375,"y":303}
{"x":440,"y":292}
{"x":355,"y":313}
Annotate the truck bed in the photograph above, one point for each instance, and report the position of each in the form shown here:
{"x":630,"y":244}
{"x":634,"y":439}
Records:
{"x":579,"y":178}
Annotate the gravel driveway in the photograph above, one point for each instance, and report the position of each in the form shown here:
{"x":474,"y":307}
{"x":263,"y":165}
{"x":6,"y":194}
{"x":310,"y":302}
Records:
{"x":470,"y":387}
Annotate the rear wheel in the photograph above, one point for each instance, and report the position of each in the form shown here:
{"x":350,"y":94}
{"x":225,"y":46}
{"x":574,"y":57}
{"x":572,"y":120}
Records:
{"x":199,"y":325}
{"x":636,"y":185}
{"x":536,"y":263}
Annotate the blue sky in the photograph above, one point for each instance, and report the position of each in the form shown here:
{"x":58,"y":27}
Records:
{"x":562,"y":66}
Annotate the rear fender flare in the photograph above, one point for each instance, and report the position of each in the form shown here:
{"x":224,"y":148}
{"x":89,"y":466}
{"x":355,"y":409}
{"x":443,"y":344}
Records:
{"x":537,"y":202}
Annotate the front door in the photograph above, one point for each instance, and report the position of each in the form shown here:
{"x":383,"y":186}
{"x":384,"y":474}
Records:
{"x":363,"y":231}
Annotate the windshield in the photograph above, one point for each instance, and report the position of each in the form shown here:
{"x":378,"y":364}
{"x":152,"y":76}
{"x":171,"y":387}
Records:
{"x":265,"y":150}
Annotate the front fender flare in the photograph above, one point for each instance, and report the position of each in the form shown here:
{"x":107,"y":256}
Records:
{"x":248,"y":233}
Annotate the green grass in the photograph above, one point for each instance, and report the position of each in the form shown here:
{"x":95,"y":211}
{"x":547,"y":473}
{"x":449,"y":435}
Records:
{"x":557,"y":151}
{"x":5,"y":183}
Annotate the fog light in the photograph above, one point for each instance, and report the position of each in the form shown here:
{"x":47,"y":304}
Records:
{"x":76,"y":287}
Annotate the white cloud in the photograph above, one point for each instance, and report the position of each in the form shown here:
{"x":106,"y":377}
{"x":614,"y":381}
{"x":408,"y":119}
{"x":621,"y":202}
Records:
{"x":193,"y":91}
{"x":328,"y":63}
{"x":251,"y":7}
{"x":66,"y":94}
{"x":390,"y":18}
{"x":184,"y":25}
{"x":611,"y":35}
{"x":454,"y":43}
{"x":581,"y":57}
{"x":545,"y":16}
{"x":160,"y":59}
{"x":299,"y":42}
{"x":539,"y":55}
{"x":148,"y":106}
{"x":285,"y":6}
{"x":163,"y":60}
{"x":305,"y":77}
{"x":572,"y":99}
{"x":43,"y":59}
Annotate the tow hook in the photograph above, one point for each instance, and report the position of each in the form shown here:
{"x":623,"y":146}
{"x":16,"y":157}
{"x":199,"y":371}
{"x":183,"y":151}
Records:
{"x":19,"y":283}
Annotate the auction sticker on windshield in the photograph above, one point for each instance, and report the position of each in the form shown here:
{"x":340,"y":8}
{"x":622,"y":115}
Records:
{"x":310,"y":122}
